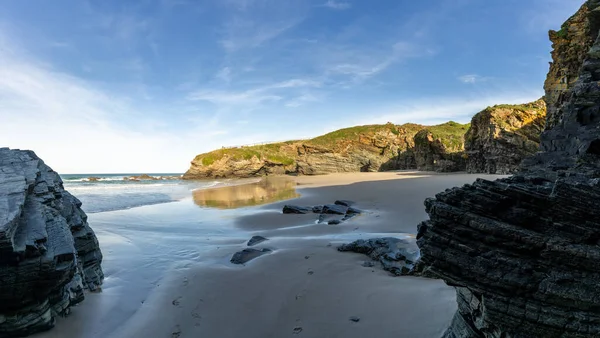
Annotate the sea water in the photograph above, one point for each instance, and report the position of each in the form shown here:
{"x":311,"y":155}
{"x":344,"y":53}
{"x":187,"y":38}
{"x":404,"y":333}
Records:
{"x":109,"y":192}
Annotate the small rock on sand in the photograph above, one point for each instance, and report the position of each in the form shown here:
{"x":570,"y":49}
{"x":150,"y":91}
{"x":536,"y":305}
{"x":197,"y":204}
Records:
{"x":246,"y":255}
{"x":256,"y":239}
{"x":345,"y":203}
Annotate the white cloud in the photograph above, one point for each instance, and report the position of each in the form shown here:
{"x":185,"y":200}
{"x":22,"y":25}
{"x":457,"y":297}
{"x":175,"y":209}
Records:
{"x":337,"y":5}
{"x":77,"y":128}
{"x":271,"y":92}
{"x":254,"y":23}
{"x":224,"y":74}
{"x":363,"y":64}
{"x":442,"y":109}
{"x":471,"y":78}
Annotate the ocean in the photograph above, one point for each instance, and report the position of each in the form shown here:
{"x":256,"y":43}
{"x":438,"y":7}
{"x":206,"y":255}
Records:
{"x":110,"y":192}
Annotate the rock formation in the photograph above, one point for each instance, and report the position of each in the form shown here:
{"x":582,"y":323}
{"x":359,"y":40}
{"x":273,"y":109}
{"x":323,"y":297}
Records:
{"x":500,"y":137}
{"x":441,"y":148}
{"x":48,"y":252}
{"x":522,"y":252}
{"x":356,"y":149}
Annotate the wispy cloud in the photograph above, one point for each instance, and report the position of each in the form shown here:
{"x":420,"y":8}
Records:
{"x":472,"y":78}
{"x":251,"y":97}
{"x":337,"y":5}
{"x":361,"y":65}
{"x":76,"y":127}
{"x":254,"y":23}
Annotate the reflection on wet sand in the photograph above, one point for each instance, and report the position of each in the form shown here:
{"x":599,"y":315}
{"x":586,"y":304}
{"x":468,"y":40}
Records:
{"x":267,"y":190}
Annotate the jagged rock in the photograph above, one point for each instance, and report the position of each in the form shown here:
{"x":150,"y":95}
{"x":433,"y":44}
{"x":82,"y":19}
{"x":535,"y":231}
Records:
{"x":500,"y":137}
{"x":442,"y":148}
{"x":294,"y":209}
{"x":334,"y":221}
{"x":334,"y":209}
{"x":523,"y":252}
{"x":356,"y":149}
{"x":345,"y":203}
{"x":48,"y":252}
{"x":317,"y":209}
{"x":396,"y":255}
{"x":353,"y":211}
{"x":256,"y":240}
{"x":246,"y":255}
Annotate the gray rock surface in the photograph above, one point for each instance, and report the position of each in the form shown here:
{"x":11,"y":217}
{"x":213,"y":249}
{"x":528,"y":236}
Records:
{"x":48,"y":252}
{"x":246,"y":255}
{"x":522,"y":252}
{"x":294,"y":209}
{"x":256,"y":240}
{"x":395,"y":255}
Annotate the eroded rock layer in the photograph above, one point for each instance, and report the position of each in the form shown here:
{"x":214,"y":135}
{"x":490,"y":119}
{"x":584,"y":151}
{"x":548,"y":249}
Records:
{"x":523,"y":252}
{"x":48,"y":252}
{"x":500,"y":137}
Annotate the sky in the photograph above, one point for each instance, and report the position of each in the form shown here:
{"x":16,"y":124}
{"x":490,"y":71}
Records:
{"x":121,"y":86}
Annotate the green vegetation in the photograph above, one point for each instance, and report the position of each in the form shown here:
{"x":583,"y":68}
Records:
{"x":271,"y":152}
{"x":563,"y":33}
{"x":451,"y":134}
{"x":350,"y":134}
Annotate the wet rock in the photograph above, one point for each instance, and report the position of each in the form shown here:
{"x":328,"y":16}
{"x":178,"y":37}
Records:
{"x":256,"y":240}
{"x":353,"y":211}
{"x":345,"y":203}
{"x":396,"y":255}
{"x":48,"y":252}
{"x":334,"y":209}
{"x":522,"y":252}
{"x":317,"y":209}
{"x":334,"y":222}
{"x":293,"y":209}
{"x":246,"y":255}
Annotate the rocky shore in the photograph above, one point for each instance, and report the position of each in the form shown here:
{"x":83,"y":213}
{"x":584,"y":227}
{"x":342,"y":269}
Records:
{"x":522,"y":251}
{"x":495,"y":142}
{"x":48,"y":252}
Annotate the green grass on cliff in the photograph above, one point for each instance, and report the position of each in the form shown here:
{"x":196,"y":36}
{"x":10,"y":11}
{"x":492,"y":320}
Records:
{"x":271,"y":152}
{"x":451,"y":134}
{"x":330,"y":140}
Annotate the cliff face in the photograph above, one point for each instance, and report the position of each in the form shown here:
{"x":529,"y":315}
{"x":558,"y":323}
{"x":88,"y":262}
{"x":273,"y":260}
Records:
{"x":523,"y":252}
{"x":441,"y":148}
{"x":48,"y":252}
{"x":500,"y":137}
{"x":362,"y":148}
{"x":570,"y":45}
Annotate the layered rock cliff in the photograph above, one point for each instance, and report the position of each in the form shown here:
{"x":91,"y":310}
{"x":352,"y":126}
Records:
{"x":522,"y":252}
{"x":441,"y":148}
{"x":362,"y":148}
{"x":500,"y":137}
{"x":570,"y":45}
{"x":48,"y":252}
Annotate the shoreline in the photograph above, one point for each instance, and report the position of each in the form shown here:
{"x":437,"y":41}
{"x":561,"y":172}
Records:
{"x":273,"y":295}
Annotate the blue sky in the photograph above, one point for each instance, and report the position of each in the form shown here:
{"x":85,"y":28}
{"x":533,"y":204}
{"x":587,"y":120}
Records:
{"x":143,"y":86}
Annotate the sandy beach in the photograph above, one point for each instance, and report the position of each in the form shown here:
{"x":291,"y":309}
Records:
{"x":304,"y":288}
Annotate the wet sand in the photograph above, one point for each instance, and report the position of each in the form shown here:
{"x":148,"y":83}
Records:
{"x":305,"y":288}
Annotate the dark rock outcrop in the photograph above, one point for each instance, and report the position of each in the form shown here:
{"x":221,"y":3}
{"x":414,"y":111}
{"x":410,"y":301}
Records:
{"x":500,"y":137}
{"x":48,"y":252}
{"x":395,"y":255}
{"x":294,"y":209}
{"x":522,"y":252}
{"x":331,"y":214}
{"x":246,"y":255}
{"x":256,"y":240}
